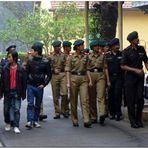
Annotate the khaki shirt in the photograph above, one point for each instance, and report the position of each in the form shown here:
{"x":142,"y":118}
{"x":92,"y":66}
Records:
{"x":95,"y":61}
{"x":76,"y":63}
{"x":58,"y":62}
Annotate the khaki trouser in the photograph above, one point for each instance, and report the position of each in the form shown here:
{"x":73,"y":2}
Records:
{"x":58,"y":83}
{"x":79,"y":85}
{"x":97,"y":93}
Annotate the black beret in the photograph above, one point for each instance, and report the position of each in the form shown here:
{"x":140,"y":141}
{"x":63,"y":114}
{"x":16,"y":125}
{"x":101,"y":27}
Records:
{"x":132,"y":35}
{"x":12,"y":46}
{"x":78,"y":42}
{"x":67,"y":43}
{"x":114,"y":41}
{"x":38,"y":43}
{"x":56,"y":43}
{"x":94,"y":43}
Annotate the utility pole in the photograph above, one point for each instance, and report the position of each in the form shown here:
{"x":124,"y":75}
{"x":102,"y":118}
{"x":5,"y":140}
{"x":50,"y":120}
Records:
{"x":86,"y":24}
{"x":120,"y":24}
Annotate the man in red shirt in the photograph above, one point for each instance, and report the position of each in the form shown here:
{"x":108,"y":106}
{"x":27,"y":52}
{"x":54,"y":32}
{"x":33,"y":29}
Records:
{"x":14,"y":89}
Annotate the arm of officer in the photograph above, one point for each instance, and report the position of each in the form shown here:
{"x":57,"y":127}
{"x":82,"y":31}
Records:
{"x":106,"y":73}
{"x":125,"y":67}
{"x":89,"y":78}
{"x":68,"y":69}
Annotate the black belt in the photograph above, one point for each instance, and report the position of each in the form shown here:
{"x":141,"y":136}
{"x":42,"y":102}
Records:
{"x":58,"y":73}
{"x":115,"y":74}
{"x":96,"y":70}
{"x":78,"y":73}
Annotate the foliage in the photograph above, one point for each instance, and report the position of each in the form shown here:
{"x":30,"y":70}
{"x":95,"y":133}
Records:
{"x":64,"y":24}
{"x":68,"y":22}
{"x":94,"y":23}
{"x":144,"y":9}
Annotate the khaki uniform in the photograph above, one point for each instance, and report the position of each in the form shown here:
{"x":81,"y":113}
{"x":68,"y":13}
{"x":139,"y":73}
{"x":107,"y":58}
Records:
{"x":77,"y":66}
{"x":97,"y":91}
{"x":58,"y":82}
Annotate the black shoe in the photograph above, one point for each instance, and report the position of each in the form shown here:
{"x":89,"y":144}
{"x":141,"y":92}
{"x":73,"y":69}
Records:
{"x":112,"y":117}
{"x":42,"y":117}
{"x":94,"y":121}
{"x":56,"y":117}
{"x":75,"y":124}
{"x":140,"y":124}
{"x":66,"y":115}
{"x":118,"y":118}
{"x":102,"y":119}
{"x":87,"y":125}
{"x":134,"y":125}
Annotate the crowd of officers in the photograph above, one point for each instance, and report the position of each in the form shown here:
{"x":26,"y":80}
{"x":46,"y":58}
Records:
{"x":101,"y":79}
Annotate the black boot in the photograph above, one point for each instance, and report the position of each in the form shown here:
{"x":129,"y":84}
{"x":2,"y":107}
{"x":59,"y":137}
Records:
{"x":42,"y":117}
{"x":102,"y":119}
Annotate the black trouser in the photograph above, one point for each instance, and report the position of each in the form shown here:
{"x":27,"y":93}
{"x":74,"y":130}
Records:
{"x":134,"y":86}
{"x":115,"y":97}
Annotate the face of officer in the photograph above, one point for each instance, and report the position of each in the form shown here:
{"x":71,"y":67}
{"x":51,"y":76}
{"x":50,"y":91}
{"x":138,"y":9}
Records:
{"x":80,"y":48}
{"x":106,"y":49}
{"x":10,"y":58}
{"x":57,"y":49}
{"x":135,"y":41}
{"x":96,"y":49}
{"x":115,"y":48}
{"x":67,"y":49}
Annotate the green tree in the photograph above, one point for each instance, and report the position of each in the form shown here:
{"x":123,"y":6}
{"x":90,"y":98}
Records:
{"x":66,"y":23}
{"x":103,"y":18}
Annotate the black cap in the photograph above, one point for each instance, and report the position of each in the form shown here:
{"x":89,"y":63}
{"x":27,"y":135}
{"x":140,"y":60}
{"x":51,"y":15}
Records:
{"x":67,"y":44}
{"x":114,"y":41}
{"x":56,"y":43}
{"x":133,"y":35}
{"x":78,"y":42}
{"x":12,"y":46}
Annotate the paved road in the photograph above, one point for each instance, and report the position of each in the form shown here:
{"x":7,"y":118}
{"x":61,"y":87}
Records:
{"x":60,"y":133}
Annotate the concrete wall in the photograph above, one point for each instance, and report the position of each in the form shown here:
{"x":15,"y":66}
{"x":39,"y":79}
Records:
{"x":135,"y":20}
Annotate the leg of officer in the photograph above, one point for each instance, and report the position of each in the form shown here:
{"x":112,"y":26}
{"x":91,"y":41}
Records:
{"x":84,"y":101}
{"x":140,"y":102}
{"x":130,"y":90}
{"x":74,"y":99}
{"x":64,"y":95}
{"x":111,"y":101}
{"x":92,"y":100}
{"x":101,"y":84}
{"x":56,"y":94}
{"x":118,"y":98}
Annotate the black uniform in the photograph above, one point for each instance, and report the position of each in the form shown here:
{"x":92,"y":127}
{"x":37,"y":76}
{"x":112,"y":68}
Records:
{"x":116,"y":79}
{"x":134,"y":84}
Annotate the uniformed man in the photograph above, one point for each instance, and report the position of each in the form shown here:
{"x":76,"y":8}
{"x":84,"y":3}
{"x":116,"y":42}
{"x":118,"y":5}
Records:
{"x":78,"y":83}
{"x":58,"y":81}
{"x":98,"y":71}
{"x":133,"y":56}
{"x":67,"y":50}
{"x":116,"y":76}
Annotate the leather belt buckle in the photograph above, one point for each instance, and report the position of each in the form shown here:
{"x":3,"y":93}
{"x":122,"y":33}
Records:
{"x":78,"y":73}
{"x":95,"y":70}
{"x":114,"y":74}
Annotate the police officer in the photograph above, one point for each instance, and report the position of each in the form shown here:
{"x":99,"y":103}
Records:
{"x":67,"y":54}
{"x":116,"y":76}
{"x":133,"y":56}
{"x":98,"y":71}
{"x":78,"y":83}
{"x":58,"y":81}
